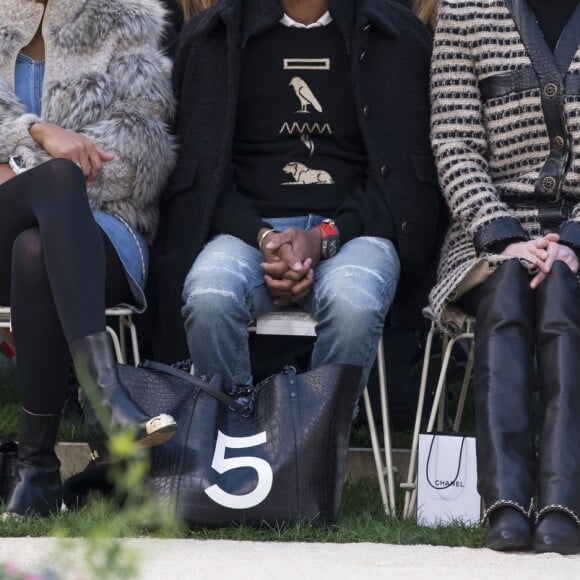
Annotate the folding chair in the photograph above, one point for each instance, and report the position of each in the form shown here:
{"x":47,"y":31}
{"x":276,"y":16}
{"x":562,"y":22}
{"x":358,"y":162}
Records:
{"x":125,"y":316}
{"x":438,"y":408}
{"x":298,"y":323}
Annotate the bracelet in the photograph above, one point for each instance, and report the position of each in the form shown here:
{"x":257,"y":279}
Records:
{"x":263,"y":236}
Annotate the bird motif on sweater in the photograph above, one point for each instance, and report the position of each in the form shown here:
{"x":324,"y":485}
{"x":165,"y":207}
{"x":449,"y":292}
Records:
{"x":305,"y":95}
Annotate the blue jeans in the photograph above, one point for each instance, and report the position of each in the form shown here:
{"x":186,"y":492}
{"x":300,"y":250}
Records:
{"x":225,"y":290}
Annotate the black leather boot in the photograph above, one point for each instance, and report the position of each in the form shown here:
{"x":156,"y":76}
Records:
{"x":38,"y":488}
{"x":509,"y":529}
{"x":504,"y":347}
{"x":96,"y":367}
{"x":558,"y":352}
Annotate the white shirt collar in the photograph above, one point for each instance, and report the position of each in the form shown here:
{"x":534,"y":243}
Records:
{"x":291,"y":23}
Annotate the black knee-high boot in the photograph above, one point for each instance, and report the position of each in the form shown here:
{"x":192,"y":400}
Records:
{"x":504,"y":343}
{"x":38,"y":488}
{"x":96,"y":367}
{"x":558,"y":348}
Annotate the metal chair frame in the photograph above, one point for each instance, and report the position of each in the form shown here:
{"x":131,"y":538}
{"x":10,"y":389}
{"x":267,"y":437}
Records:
{"x":438,"y":408}
{"x":126,"y":323}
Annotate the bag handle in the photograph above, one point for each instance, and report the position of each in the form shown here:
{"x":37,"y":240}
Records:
{"x":194,"y":382}
{"x":458,"y":466}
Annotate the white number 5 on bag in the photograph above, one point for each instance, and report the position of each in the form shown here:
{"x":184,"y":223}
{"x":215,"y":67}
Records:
{"x":222,"y":464}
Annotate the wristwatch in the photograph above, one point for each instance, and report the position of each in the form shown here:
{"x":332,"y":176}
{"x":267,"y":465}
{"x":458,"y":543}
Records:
{"x":329,"y":240}
{"x":16,"y":163}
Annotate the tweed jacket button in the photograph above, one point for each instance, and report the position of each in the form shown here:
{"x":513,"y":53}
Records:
{"x":551,"y":90}
{"x":404,"y":227}
{"x":366,"y":111}
{"x":367,"y":28}
{"x":385,"y":170}
{"x":559,"y":142}
{"x":362,"y":55}
{"x":549,"y":183}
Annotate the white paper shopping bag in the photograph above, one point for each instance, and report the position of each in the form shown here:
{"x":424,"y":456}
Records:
{"x":447,"y":480}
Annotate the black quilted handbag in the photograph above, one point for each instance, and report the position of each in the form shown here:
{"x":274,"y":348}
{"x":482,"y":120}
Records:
{"x":274,"y":453}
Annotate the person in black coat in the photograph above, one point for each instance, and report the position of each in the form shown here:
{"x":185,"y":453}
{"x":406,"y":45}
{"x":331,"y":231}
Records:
{"x":355,"y":152}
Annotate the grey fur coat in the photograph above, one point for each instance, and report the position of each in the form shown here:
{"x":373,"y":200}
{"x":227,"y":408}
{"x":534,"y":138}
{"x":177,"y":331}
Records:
{"x":105,"y":78}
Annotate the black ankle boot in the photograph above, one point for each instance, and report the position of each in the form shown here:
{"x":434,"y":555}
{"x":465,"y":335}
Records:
{"x":509,"y":529}
{"x":38,"y":488}
{"x":557,"y":532}
{"x":96,"y":367}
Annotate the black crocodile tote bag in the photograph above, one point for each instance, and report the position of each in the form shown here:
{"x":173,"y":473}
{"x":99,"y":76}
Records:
{"x":275,"y":453}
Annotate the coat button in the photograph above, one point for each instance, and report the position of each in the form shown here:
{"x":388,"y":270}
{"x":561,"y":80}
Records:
{"x":366,"y":111}
{"x":404,"y":227}
{"x":367,"y":28}
{"x":549,"y":183}
{"x":551,"y":90}
{"x":362,"y":55}
{"x":559,"y":142}
{"x":385,"y":170}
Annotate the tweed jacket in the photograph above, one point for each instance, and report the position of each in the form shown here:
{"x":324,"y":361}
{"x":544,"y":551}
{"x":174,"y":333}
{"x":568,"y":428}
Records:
{"x":104,"y":78}
{"x":389,"y":53}
{"x":505,"y":134}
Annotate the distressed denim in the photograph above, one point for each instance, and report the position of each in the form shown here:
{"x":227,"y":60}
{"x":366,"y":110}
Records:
{"x":225,"y":290}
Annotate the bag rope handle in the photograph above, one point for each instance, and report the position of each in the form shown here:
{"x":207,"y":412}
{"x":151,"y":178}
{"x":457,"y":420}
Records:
{"x":195,"y":382}
{"x":458,"y":466}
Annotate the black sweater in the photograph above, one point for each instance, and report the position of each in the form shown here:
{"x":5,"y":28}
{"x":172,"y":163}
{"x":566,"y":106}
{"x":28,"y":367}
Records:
{"x":298,"y":148}
{"x":552,"y":16}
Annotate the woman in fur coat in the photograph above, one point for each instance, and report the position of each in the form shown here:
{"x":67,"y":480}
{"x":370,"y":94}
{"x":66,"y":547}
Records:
{"x":84,"y":152}
{"x":506,"y":136}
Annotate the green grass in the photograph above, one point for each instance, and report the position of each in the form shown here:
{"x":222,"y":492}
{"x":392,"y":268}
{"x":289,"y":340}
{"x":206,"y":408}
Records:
{"x":361,"y":520}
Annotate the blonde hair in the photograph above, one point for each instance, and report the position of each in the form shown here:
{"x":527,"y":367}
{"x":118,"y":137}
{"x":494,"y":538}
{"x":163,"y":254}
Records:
{"x":426,"y":10}
{"x":191,"y":7}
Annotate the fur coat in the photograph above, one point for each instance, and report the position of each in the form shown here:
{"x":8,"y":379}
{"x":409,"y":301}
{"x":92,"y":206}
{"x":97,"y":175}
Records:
{"x":105,"y":78}
{"x":506,"y":138}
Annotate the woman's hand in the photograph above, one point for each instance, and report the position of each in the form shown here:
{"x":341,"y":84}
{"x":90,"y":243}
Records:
{"x":5,"y":173}
{"x":548,"y":251}
{"x":59,"y":142}
{"x":523,"y":251}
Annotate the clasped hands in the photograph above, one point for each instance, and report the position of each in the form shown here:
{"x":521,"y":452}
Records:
{"x":289,"y":261}
{"x":542,"y":253}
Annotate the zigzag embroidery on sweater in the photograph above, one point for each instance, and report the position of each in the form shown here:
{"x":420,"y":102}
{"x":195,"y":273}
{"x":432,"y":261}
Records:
{"x":308,"y":128}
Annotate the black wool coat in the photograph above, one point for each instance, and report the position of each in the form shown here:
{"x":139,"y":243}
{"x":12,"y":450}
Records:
{"x":390,"y":53}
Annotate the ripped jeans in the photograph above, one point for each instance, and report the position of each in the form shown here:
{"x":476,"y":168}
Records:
{"x":225,"y":290}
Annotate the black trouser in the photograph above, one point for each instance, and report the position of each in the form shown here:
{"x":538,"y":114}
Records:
{"x":513,"y":323}
{"x":57,"y":273}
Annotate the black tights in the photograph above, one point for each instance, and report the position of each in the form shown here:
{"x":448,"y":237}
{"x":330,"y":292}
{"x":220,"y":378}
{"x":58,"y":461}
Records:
{"x":57,"y":272}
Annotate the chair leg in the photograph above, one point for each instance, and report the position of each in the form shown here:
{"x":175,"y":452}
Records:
{"x":465,"y":385}
{"x":410,"y":484}
{"x":128,"y":322}
{"x":116,"y":345}
{"x":384,"y":467}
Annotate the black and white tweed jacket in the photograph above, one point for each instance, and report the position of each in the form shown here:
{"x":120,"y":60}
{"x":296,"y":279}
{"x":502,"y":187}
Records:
{"x":505,"y":134}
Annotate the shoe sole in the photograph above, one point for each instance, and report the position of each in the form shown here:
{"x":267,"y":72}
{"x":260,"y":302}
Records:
{"x":159,"y":429}
{"x":513,"y":546}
